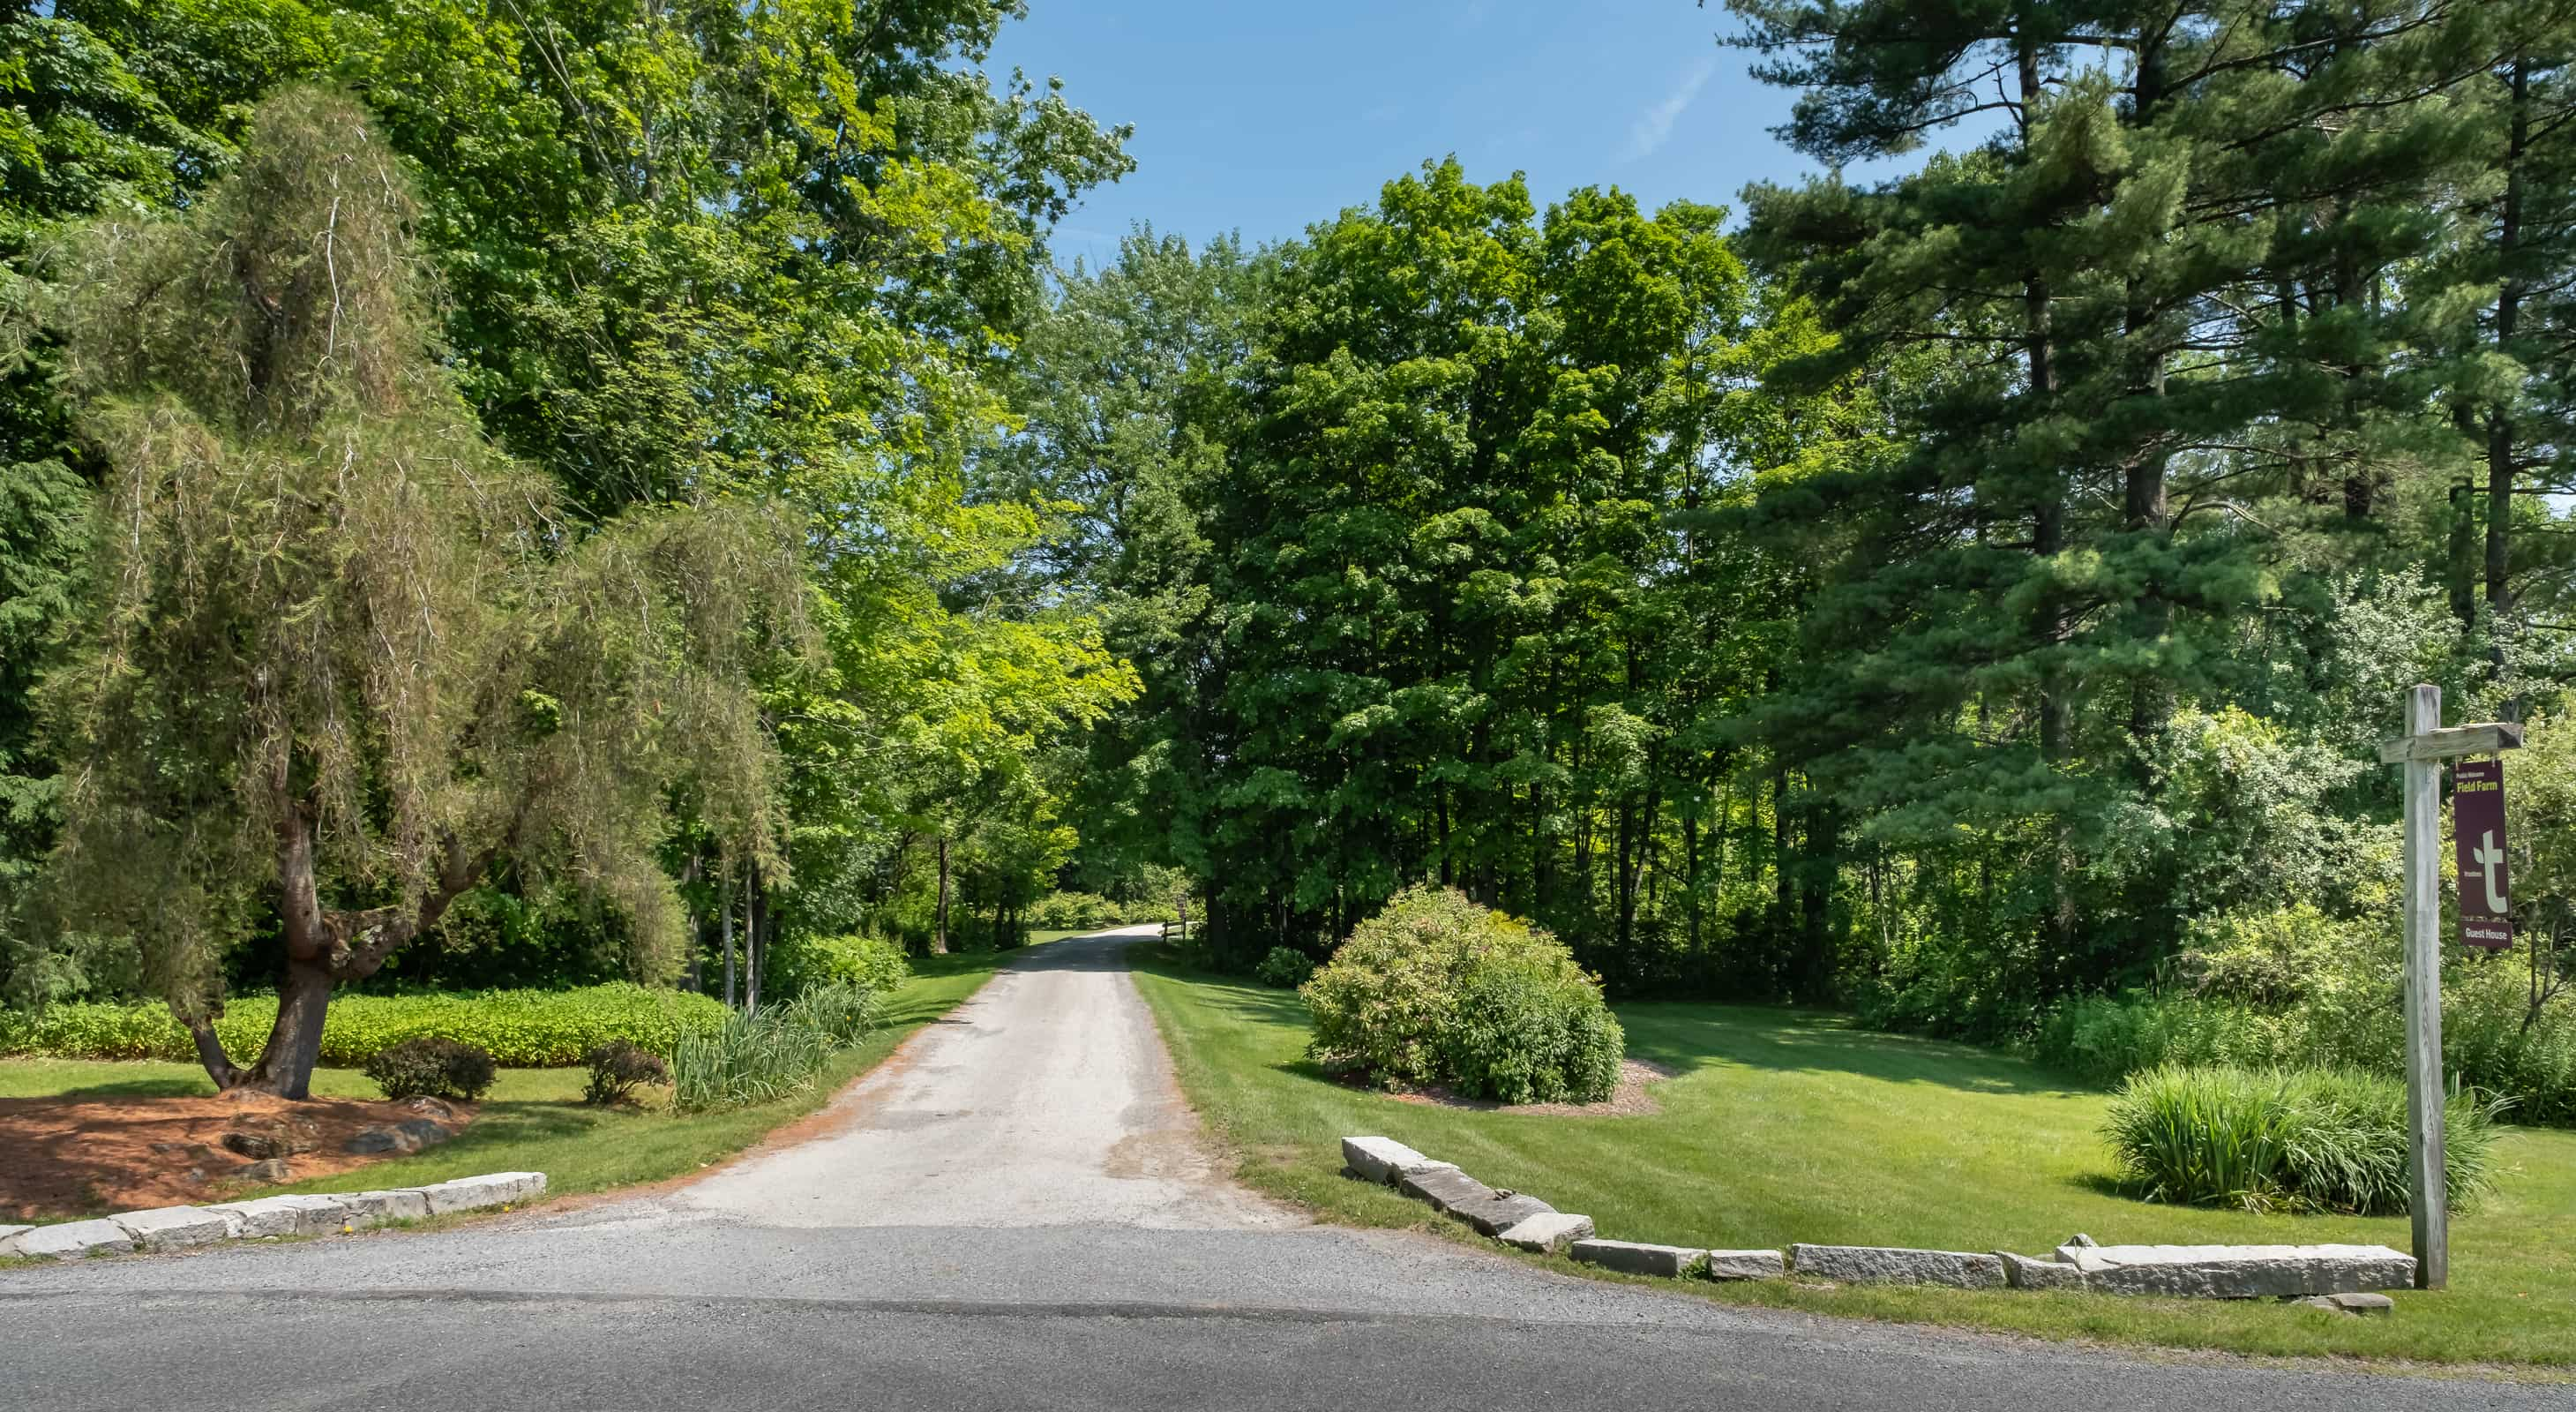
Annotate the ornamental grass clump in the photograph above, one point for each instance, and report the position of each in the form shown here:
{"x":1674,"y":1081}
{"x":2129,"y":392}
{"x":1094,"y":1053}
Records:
{"x":2287,"y":1139}
{"x":1436,"y":990}
{"x":750,"y":1059}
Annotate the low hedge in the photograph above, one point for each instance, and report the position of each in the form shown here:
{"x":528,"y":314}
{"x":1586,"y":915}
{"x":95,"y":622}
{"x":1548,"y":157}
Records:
{"x":522,"y":1029}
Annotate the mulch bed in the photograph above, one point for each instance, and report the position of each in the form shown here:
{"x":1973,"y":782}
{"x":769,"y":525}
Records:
{"x":1630,"y":1099}
{"x":73,"y":1157}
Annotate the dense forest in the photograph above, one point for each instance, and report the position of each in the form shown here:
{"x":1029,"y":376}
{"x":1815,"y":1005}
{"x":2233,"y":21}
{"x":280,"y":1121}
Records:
{"x":1970,"y":596}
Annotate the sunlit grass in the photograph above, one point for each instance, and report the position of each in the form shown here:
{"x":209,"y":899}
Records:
{"x":1783,"y":1126}
{"x":533,"y":1120}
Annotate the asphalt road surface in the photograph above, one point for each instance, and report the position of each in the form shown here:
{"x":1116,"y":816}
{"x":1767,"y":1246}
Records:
{"x":1016,"y":1211}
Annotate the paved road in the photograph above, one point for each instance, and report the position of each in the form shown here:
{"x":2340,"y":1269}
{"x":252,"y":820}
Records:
{"x":1014,"y":1212}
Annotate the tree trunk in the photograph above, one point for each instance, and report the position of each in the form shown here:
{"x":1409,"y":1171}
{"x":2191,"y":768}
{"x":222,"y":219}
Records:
{"x":753,"y":913}
{"x":725,"y":909}
{"x":322,"y":948}
{"x":939,"y":927}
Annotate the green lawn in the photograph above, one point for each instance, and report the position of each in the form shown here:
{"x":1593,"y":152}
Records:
{"x":534,"y":1121}
{"x":1783,"y":1126}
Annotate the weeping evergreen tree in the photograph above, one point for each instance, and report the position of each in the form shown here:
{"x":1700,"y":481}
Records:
{"x":340,"y":655}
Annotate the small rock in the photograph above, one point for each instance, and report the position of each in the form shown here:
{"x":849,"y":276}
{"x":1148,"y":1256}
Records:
{"x":1671,"y":1261}
{"x":271,"y":1171}
{"x":2022,"y":1272}
{"x":1746,"y":1265}
{"x":2360,"y":1303}
{"x":2081,"y":1241}
{"x":1547,"y":1232}
{"x":368,"y":1141}
{"x":438,"y":1108}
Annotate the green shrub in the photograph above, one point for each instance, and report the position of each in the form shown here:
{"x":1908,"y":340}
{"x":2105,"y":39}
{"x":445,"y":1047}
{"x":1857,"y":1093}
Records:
{"x":2287,"y":1139}
{"x":841,"y":1014}
{"x":434,"y":1068}
{"x":1436,"y":989}
{"x":798,"y":964}
{"x":2355,"y":1022}
{"x":1285,"y":967}
{"x":1149,"y":910}
{"x":525,"y":1029}
{"x":618,"y":1068}
{"x":1074,"y":911}
{"x":748,"y":1059}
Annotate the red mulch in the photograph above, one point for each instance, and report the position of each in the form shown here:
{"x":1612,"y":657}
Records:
{"x":75,"y":1157}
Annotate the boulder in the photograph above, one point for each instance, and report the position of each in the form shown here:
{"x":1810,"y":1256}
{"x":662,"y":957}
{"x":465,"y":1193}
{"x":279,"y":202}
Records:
{"x":369,"y":1141}
{"x":71,"y":1240}
{"x":1746,"y":1265}
{"x":484,"y":1192}
{"x":423,"y":1132}
{"x":268,"y":1173}
{"x":2022,"y":1272}
{"x":282,"y":1216}
{"x":1881,"y":1264}
{"x":376,"y":1208}
{"x":1547,"y":1232}
{"x":438,"y":1108}
{"x":1671,"y":1261}
{"x":2241,"y":1271}
{"x":263,"y":1138}
{"x":1383,"y":1159}
{"x":173,"y":1227}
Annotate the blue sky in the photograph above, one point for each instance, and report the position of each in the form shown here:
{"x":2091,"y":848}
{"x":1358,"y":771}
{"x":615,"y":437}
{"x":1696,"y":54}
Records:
{"x":1265,"y":115}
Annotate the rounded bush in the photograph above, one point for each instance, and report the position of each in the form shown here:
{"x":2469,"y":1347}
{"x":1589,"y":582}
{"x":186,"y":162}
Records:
{"x":433,"y":1068}
{"x":1437,"y":990}
{"x":1285,"y":967}
{"x":618,"y":1068}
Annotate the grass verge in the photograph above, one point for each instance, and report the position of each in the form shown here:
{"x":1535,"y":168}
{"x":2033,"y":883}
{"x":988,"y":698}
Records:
{"x":1781,"y":1126}
{"x":533,"y":1120}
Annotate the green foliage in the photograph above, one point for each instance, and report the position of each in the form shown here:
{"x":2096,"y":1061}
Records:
{"x":1285,"y":967}
{"x":2316,"y":1139}
{"x":293,"y":683}
{"x":617,"y":1069}
{"x":438,"y":1068}
{"x":520,"y":1028}
{"x":1435,"y":989}
{"x":1075,"y":911}
{"x":841,"y":1013}
{"x":747,"y":1059}
{"x":797,"y":964}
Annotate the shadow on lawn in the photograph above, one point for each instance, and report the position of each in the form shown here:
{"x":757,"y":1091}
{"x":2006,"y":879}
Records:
{"x":1684,"y":1037}
{"x":183,"y":1086}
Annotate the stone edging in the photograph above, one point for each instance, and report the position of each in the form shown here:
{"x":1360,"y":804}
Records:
{"x":182,"y":1227}
{"x":2329,"y":1276}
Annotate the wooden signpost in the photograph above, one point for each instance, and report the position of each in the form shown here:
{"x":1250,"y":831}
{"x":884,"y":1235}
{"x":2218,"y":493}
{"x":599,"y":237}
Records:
{"x":2422,"y":750}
